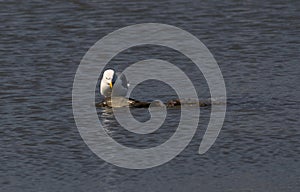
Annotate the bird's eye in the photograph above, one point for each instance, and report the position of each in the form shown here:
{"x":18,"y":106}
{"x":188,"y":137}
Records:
{"x":107,"y":78}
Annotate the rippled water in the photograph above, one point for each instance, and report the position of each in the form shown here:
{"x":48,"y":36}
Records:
{"x":256,"y":45}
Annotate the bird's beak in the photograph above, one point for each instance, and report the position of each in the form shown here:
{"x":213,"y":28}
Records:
{"x":110,"y":84}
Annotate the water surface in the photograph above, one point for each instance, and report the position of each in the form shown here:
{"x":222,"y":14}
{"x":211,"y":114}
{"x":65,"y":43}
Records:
{"x":256,"y":45}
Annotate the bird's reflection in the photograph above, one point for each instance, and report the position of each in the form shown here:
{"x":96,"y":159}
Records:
{"x":107,"y":119}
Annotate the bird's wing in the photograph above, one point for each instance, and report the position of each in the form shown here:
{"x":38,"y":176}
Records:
{"x":120,"y":86}
{"x":124,"y":81}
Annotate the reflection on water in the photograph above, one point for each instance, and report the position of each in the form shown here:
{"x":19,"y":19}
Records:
{"x":256,"y":45}
{"x":130,"y":139}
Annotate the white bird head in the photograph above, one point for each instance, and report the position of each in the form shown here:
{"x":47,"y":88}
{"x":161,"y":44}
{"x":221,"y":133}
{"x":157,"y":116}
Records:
{"x":109,"y":80}
{"x":108,"y":76}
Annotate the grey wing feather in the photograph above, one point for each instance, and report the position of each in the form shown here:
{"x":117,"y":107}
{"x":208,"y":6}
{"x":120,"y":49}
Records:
{"x":120,"y":86}
{"x":123,"y":80}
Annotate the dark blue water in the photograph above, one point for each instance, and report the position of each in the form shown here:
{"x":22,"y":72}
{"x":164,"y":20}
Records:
{"x":256,"y":45}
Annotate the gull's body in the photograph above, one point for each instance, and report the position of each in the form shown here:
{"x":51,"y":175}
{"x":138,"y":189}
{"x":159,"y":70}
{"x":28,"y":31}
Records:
{"x":111,"y":81}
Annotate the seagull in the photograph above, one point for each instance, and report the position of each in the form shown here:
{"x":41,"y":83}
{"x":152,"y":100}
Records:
{"x":111,"y":80}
